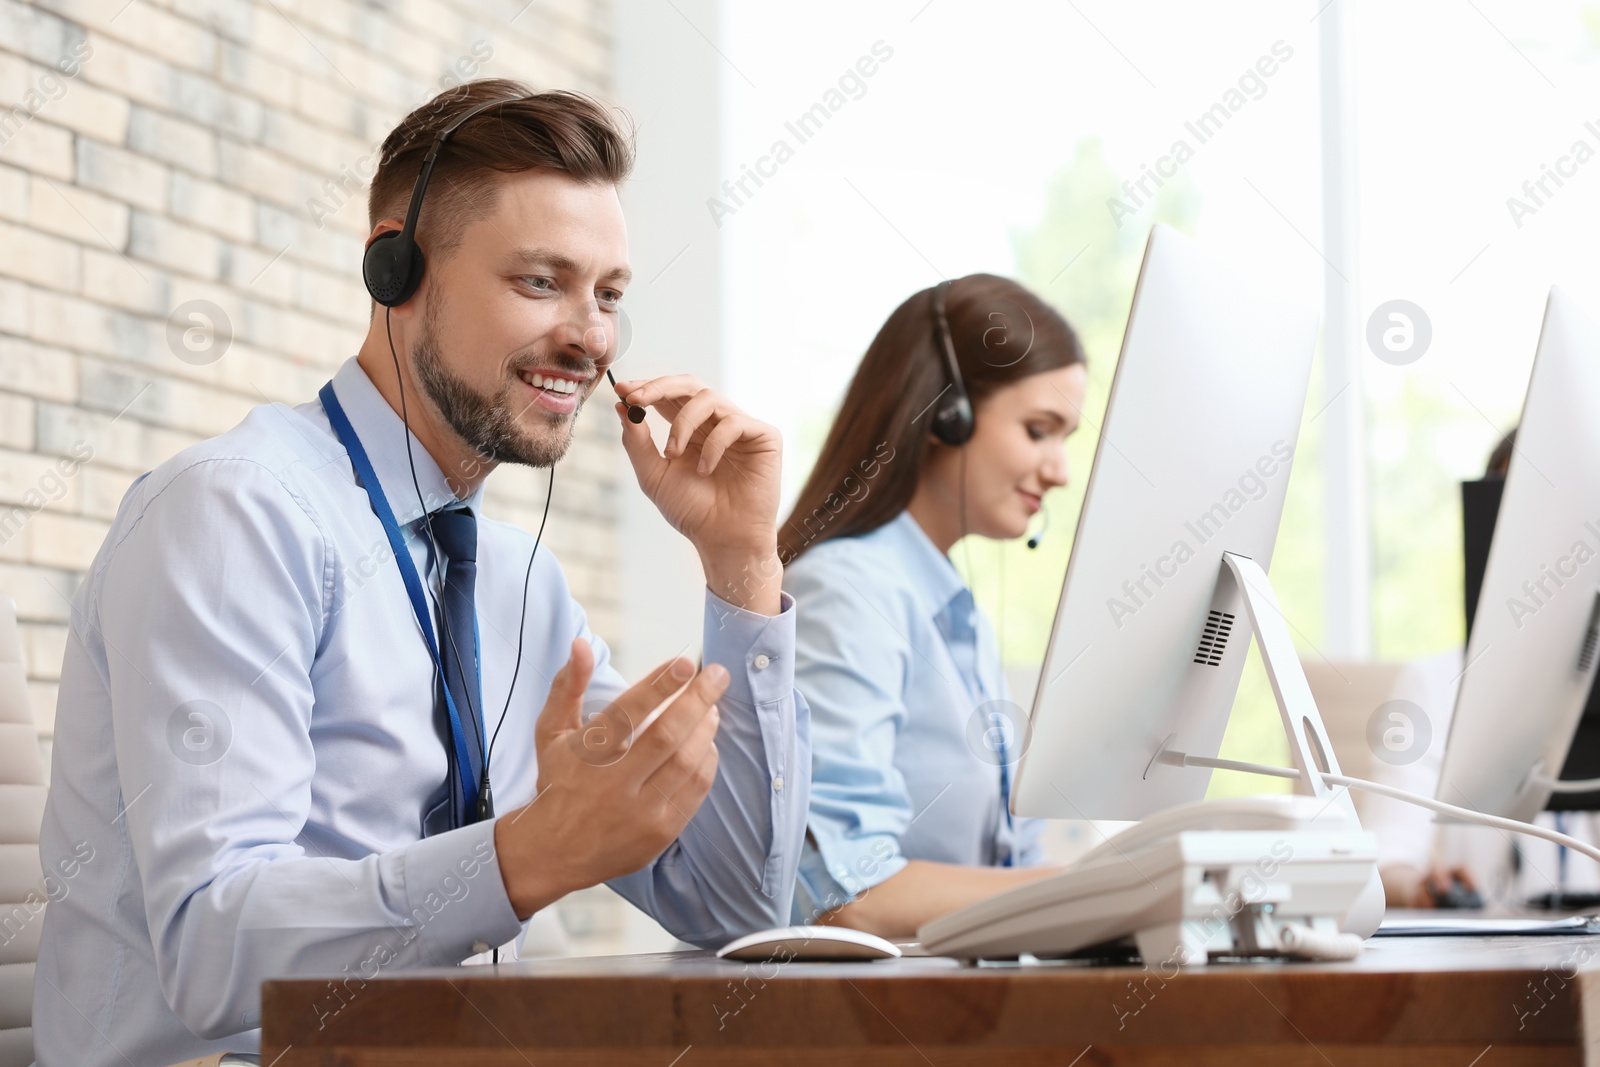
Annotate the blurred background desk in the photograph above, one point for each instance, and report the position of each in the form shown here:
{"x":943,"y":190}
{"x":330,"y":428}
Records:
{"x":1404,"y":1002}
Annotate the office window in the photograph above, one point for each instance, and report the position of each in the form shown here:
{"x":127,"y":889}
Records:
{"x":1479,"y":138}
{"x":1034,"y":140}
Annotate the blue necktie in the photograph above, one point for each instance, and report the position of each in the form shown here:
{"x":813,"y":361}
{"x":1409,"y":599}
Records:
{"x":455,"y":531}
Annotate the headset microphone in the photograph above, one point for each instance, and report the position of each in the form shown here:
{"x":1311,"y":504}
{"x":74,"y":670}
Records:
{"x":635,"y":412}
{"x":1033,"y":542}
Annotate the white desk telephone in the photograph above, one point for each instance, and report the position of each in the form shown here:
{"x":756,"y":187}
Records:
{"x":1279,"y":875}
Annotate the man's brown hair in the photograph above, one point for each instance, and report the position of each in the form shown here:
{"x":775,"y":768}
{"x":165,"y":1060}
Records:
{"x":559,"y":130}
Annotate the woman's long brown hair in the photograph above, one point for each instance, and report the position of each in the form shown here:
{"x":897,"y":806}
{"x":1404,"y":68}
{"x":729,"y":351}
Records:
{"x":869,"y":466}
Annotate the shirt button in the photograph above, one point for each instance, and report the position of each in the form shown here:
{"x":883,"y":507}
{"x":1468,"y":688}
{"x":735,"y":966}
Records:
{"x":762,"y":662}
{"x":480,"y":947}
{"x":777,"y":783}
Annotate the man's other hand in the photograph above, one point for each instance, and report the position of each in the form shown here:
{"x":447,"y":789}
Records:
{"x":611,"y":796}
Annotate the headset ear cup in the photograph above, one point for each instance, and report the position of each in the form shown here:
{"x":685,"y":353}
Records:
{"x":392,"y":268}
{"x":953,"y":422}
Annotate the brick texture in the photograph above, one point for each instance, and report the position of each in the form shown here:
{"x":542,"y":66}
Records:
{"x":159,"y":151}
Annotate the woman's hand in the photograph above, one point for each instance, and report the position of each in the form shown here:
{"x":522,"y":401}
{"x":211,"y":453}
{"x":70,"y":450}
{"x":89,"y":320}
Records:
{"x":1406,"y":886}
{"x":923,"y":890}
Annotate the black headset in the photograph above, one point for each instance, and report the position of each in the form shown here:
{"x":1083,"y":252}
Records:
{"x":953,"y":420}
{"x":393,"y":264}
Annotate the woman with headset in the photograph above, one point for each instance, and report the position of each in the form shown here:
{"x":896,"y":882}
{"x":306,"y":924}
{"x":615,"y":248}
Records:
{"x":954,"y":424}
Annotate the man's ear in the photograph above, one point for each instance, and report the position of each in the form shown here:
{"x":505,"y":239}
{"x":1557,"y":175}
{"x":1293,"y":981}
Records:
{"x":383,"y":227}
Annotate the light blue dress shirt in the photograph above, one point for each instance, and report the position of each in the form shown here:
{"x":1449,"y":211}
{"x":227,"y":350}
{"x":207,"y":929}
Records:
{"x":245,"y":742}
{"x":903,"y":678}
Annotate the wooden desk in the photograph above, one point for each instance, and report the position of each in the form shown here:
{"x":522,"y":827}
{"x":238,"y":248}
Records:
{"x":1404,"y":1002}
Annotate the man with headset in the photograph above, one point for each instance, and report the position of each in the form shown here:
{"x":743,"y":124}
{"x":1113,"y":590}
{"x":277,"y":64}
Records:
{"x":302,"y":654}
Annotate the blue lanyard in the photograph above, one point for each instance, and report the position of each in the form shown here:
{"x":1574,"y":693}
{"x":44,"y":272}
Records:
{"x":408,"y":574}
{"x":1005,"y":769}
{"x":1005,"y":796}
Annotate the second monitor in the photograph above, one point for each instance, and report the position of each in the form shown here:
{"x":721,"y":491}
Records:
{"x":1535,"y":640}
{"x":1193,"y":462}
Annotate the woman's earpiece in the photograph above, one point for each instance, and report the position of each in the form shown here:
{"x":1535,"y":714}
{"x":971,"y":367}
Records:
{"x":953,"y":419}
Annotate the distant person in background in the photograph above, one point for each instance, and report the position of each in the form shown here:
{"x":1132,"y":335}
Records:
{"x":1422,"y":861}
{"x":914,"y":739}
{"x":1407,"y":834}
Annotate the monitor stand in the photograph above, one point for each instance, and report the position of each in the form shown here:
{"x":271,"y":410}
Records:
{"x":1310,"y":750}
{"x":1240,"y":579}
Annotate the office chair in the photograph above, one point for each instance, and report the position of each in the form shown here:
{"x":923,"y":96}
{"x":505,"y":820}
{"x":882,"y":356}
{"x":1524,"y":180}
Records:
{"x":22,"y":890}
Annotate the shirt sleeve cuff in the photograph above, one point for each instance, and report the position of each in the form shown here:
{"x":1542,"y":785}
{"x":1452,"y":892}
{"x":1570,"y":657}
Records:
{"x":763,"y":645}
{"x":455,"y":897}
{"x":840,"y":870}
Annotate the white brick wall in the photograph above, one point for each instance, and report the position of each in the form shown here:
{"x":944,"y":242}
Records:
{"x":179,"y":162}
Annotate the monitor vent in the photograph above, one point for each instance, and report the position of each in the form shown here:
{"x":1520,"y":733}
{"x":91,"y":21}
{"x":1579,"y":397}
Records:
{"x":1591,"y":637}
{"x":1214,"y":639}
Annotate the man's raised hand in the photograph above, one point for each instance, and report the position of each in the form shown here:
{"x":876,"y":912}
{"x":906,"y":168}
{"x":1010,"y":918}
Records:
{"x":716,"y":481}
{"x":610,"y":798}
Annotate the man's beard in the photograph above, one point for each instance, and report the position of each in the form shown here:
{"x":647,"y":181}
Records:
{"x":489,"y":424}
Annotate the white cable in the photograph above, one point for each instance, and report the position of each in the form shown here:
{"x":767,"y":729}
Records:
{"x":1312,"y":944}
{"x":1571,"y":785}
{"x":1230,"y":765}
{"x":1465,"y":814}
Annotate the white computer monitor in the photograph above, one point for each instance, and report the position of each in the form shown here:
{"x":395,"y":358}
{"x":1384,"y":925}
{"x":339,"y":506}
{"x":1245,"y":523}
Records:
{"x":1193,"y":461}
{"x":1531,"y":657}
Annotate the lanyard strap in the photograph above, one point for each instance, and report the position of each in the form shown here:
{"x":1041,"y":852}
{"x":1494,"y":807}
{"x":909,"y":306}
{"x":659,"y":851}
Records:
{"x":408,"y":574}
{"x":1005,"y":805}
{"x":1004,"y":755}
{"x":1005,"y":793}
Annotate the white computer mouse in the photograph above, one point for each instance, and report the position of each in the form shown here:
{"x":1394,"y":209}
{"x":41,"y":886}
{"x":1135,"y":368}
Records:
{"x":809,"y":943}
